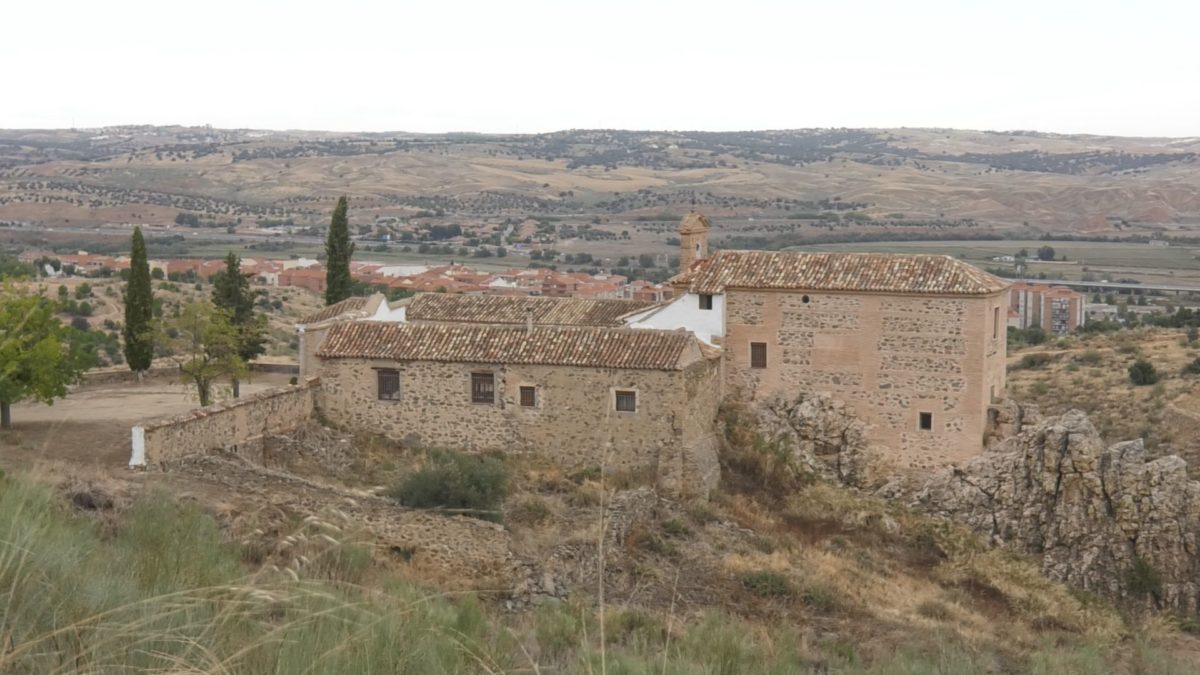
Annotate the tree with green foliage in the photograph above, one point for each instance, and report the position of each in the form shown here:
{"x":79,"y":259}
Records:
{"x":205,"y":345}
{"x":13,"y":268}
{"x":138,"y":330}
{"x":1045,"y":253}
{"x":232,"y":293}
{"x":1142,"y":373}
{"x":39,"y":356}
{"x":338,"y":250}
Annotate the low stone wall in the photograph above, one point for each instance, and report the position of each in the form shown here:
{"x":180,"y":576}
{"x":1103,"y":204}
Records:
{"x":237,"y":426}
{"x":123,"y":375}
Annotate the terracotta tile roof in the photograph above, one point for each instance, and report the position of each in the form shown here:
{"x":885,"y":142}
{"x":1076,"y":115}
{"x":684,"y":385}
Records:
{"x":500,"y":309}
{"x":337,"y":309}
{"x":867,"y":272}
{"x":624,"y":348}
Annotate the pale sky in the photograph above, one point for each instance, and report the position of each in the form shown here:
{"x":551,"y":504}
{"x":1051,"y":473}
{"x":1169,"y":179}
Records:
{"x":1124,"y":68}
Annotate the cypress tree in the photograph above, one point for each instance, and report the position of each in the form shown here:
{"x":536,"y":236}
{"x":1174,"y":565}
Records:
{"x":139,"y":309}
{"x":232,"y":293}
{"x":338,"y":249}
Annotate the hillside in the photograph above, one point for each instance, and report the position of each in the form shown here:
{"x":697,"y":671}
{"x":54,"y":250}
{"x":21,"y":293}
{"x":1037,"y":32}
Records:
{"x":908,"y":179}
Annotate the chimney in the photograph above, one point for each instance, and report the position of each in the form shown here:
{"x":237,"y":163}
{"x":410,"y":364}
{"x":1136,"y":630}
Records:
{"x":528,"y":320}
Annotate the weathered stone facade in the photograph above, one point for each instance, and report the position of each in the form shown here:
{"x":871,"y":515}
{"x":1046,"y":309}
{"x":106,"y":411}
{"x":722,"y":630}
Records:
{"x":891,"y":357}
{"x":573,"y":422}
{"x":238,"y":426}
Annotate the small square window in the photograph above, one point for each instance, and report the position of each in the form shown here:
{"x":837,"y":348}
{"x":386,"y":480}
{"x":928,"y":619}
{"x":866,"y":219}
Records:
{"x":626,"y":401}
{"x":758,"y":355}
{"x":528,"y":397}
{"x":705,"y":301}
{"x":926,"y":421}
{"x":483,"y":388}
{"x":388,"y":384}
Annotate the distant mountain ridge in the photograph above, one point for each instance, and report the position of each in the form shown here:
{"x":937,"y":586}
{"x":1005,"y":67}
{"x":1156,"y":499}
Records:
{"x":1003,"y":180}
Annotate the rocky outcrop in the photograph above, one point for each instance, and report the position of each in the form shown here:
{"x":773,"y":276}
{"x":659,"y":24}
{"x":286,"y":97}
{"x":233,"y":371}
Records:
{"x":1101,"y":517}
{"x":823,"y":434}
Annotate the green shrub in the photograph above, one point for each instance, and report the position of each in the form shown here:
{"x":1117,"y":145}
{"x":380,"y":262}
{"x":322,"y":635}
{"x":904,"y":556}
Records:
{"x":1142,"y":373}
{"x":529,"y":511}
{"x":1142,"y":580}
{"x":765,"y":584}
{"x":1192,"y":368}
{"x":472,"y":484}
{"x":1033,"y":361}
{"x":1090,"y":357}
{"x":676,"y":528}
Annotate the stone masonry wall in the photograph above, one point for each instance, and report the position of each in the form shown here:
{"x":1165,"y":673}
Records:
{"x":574,"y":422}
{"x":239,"y":425}
{"x":890,"y":357}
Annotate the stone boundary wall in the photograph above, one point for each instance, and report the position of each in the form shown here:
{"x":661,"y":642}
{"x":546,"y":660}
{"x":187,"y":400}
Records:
{"x":123,"y":375}
{"x":239,"y":425}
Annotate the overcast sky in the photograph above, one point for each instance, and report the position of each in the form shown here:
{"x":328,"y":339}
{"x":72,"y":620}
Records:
{"x":1127,"y":68}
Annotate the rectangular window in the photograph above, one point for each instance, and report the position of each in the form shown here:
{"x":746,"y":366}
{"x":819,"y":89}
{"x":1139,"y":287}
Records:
{"x":995,"y":322}
{"x":758,"y":355}
{"x":388,"y":383}
{"x":926,"y":421}
{"x":705,"y":301}
{"x":483,"y":388}
{"x":626,"y":401}
{"x":528,"y":397}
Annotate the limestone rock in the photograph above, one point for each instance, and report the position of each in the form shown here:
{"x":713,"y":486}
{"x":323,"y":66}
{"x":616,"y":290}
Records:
{"x":823,"y":434}
{"x":1093,"y":513}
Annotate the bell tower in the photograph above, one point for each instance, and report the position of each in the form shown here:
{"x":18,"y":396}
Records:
{"x":693,"y":239}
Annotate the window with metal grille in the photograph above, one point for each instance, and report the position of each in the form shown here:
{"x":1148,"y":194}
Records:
{"x":705,"y":301}
{"x":758,"y":355}
{"x":626,"y":401}
{"x":388,"y":382}
{"x":483,"y":388}
{"x":926,"y":421}
{"x":528,"y":397}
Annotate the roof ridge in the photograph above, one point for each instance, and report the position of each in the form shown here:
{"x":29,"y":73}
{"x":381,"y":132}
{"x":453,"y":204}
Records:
{"x":846,"y":271}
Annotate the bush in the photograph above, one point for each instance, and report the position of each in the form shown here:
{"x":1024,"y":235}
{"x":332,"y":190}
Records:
{"x":1090,"y":358}
{"x":1142,"y":373}
{"x":530,"y":511}
{"x":472,"y":484}
{"x":1032,"y":361}
{"x":1143,"y":580}
{"x":1192,"y":368}
{"x":765,"y":584}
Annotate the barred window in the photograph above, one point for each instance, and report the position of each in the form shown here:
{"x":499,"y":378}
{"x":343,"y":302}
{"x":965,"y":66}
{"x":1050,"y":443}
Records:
{"x":483,"y":388}
{"x":528,"y":397}
{"x":388,"y":382}
{"x":706,"y":301}
{"x":626,"y":401}
{"x":758,"y":355}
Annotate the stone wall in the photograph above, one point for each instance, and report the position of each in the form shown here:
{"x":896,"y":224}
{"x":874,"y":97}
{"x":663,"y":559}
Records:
{"x":890,"y":357}
{"x":574,"y":422}
{"x":310,"y":340}
{"x":238,"y":426}
{"x":123,"y":375}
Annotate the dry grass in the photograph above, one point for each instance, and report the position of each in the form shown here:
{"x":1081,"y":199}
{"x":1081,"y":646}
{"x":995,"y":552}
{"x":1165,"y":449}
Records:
{"x":1091,"y":373}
